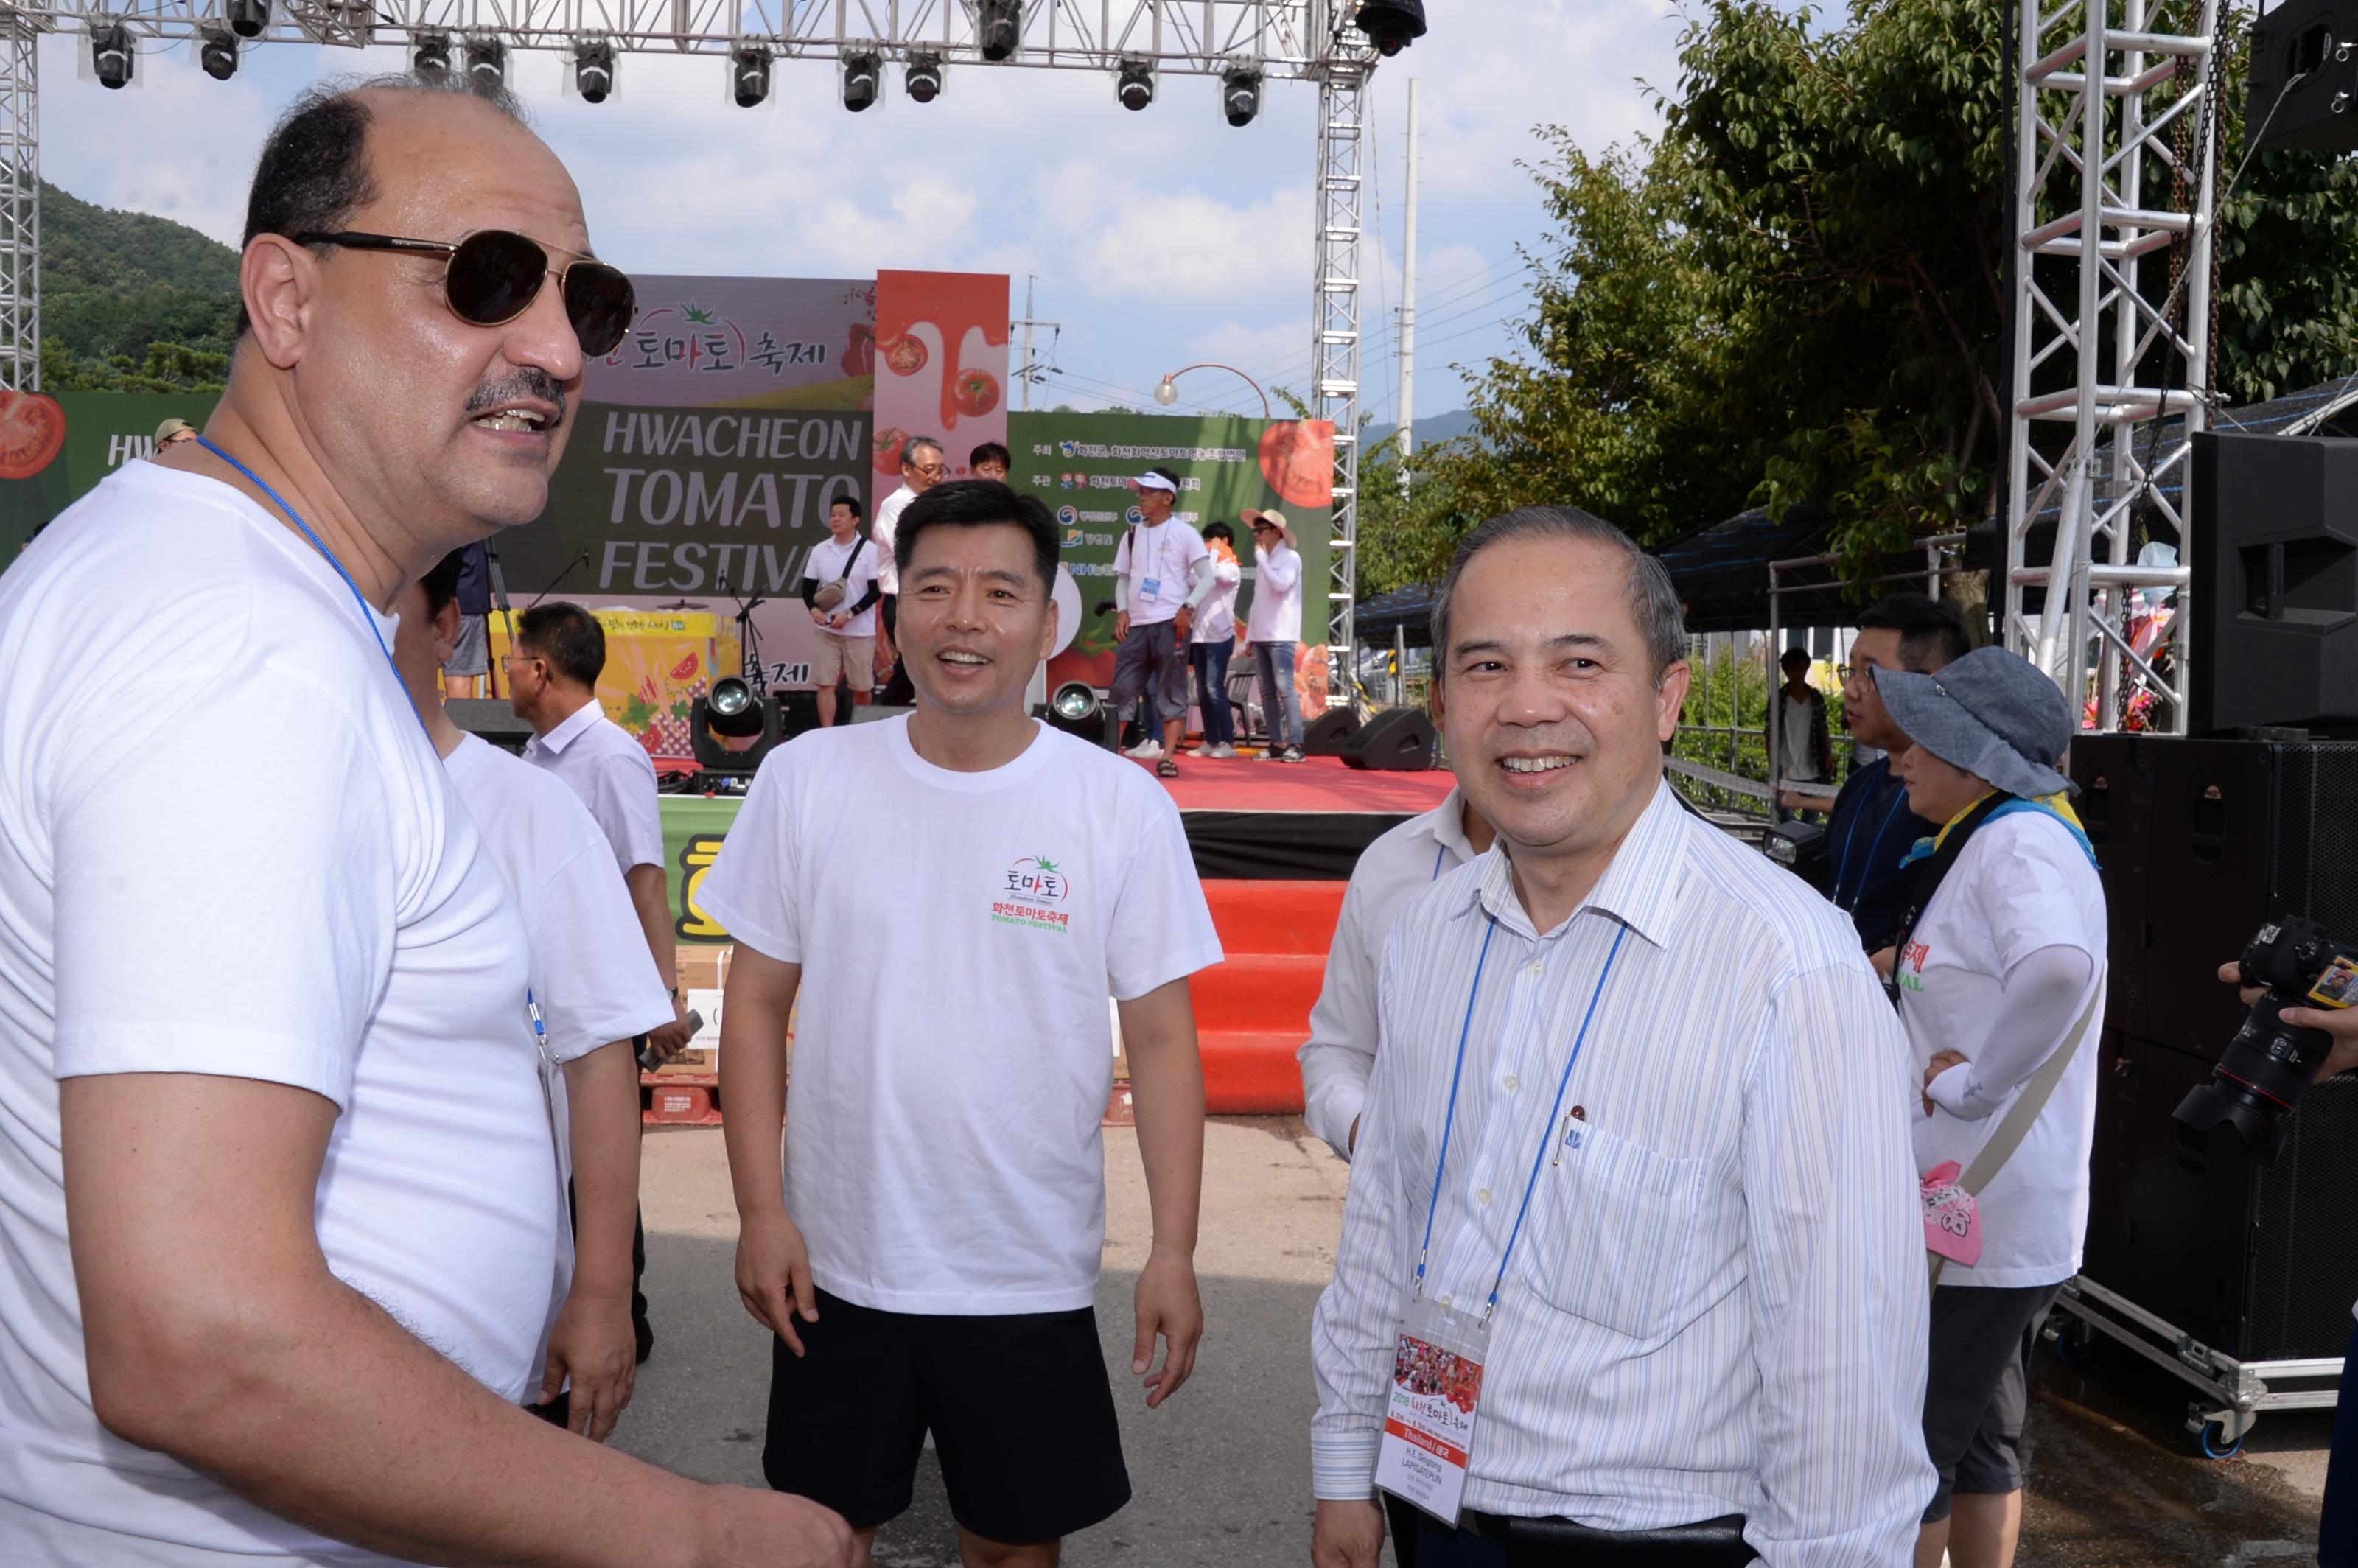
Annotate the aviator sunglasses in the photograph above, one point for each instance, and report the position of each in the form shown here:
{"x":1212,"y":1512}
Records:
{"x":492,"y":277}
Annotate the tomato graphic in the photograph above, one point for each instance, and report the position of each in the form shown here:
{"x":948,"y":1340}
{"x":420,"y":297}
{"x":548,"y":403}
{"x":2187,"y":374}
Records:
{"x":888,"y":448}
{"x":32,"y":430}
{"x":1297,"y":458}
{"x":684,"y":668}
{"x":975,"y":392}
{"x":907,"y":355}
{"x":860,"y":353}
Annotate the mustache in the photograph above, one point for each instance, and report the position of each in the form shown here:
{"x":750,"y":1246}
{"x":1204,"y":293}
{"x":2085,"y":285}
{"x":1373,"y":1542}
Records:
{"x":529,"y":381}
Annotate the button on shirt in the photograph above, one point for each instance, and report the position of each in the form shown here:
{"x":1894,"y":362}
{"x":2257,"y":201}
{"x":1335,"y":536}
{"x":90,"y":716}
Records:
{"x":1341,"y":1050}
{"x":1716,"y":1304}
{"x":613,"y":777}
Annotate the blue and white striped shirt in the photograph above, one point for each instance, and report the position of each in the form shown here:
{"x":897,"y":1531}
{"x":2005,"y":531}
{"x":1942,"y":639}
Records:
{"x":1718,"y":1301}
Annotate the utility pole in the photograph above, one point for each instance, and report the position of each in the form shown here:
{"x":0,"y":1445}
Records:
{"x":1030,"y":371}
{"x":1408,"y":309}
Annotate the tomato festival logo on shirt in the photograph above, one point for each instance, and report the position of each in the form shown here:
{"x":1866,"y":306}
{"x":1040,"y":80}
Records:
{"x":1031,"y":893}
{"x":1909,"y":970}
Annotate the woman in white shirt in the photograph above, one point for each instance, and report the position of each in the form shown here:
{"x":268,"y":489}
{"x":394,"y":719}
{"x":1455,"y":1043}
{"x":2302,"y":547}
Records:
{"x":2002,"y":976}
{"x":1214,"y":641}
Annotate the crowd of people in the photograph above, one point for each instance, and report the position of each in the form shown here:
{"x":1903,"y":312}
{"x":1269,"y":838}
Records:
{"x":279,"y":1293}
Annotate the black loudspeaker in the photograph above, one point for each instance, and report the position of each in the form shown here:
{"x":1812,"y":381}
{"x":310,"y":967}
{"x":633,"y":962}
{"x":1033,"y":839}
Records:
{"x":2275,"y":578}
{"x":1327,"y":735}
{"x":2258,"y":1261}
{"x":1397,"y":739}
{"x":2197,"y":842}
{"x":491,"y":719}
{"x":2302,"y":43}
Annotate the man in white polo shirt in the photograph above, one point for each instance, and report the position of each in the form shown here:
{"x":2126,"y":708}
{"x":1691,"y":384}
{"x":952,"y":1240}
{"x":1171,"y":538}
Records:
{"x":593,"y":986}
{"x":1162,"y":570}
{"x":950,"y":897}
{"x":923,"y":466}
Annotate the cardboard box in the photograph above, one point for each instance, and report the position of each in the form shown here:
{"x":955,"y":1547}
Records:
{"x":702,"y":967}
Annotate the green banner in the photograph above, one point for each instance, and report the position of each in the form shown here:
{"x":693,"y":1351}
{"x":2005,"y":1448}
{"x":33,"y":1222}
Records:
{"x":55,"y":449}
{"x":1081,"y":465}
{"x":693,"y":827}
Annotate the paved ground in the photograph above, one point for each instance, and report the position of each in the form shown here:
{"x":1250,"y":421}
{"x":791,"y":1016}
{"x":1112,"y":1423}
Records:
{"x":1222,"y":1472}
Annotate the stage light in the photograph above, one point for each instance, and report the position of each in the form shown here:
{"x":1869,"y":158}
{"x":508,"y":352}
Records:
{"x":733,"y":710}
{"x":1390,"y":25}
{"x":999,"y":29}
{"x":1075,"y":701}
{"x":217,"y":53}
{"x":1240,"y":94}
{"x":1135,"y":85}
{"x":248,"y":18}
{"x":749,"y":75}
{"x":429,"y":52}
{"x":863,"y":77}
{"x":487,"y":62}
{"x":924,"y":80}
{"x":593,"y":70}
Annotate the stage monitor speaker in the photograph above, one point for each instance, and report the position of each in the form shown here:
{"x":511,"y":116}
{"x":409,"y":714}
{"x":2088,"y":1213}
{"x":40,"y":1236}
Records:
{"x":2274,"y":583}
{"x":2257,"y":1261}
{"x":2198,"y":843}
{"x":797,"y":712}
{"x":2303,"y":43}
{"x":1397,"y":739}
{"x":490,"y":718}
{"x":1327,"y":735}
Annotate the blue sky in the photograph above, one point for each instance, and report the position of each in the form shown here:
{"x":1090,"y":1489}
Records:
{"x":1156,"y":238}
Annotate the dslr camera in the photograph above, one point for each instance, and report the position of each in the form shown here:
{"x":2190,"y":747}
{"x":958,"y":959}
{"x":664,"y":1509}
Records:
{"x":2269,"y":1063}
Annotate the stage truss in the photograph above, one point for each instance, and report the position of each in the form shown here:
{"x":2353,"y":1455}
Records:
{"x":1284,"y":40}
{"x":2101,"y":109}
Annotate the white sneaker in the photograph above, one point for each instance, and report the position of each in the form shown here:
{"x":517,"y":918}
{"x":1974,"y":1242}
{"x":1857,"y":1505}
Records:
{"x":1145,"y":750}
{"x":1206,"y":749}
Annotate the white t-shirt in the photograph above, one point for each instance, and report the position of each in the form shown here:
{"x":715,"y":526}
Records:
{"x":881,"y":536}
{"x":1162,"y":575}
{"x":1793,"y":739}
{"x":266,"y":875}
{"x":826,"y":563}
{"x":2023,"y":883}
{"x":1276,"y":612}
{"x":953,"y":1053}
{"x":1215,"y":618}
{"x":613,"y":776}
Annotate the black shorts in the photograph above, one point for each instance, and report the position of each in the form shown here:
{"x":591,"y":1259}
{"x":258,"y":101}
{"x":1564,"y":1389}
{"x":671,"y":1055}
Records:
{"x":1979,"y":1386}
{"x":1019,"y":1408}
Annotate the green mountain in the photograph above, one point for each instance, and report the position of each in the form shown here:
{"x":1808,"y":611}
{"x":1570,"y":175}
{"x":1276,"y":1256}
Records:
{"x":130,"y":302}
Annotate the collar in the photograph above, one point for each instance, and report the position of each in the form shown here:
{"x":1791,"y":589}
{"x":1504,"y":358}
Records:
{"x":1447,"y":823}
{"x":572,"y":729}
{"x":1641,"y":888}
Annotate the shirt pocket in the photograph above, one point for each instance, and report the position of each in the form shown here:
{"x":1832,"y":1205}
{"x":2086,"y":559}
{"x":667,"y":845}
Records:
{"x":1617,"y":1236}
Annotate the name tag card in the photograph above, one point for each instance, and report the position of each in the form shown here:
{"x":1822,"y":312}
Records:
{"x":1428,"y":1441}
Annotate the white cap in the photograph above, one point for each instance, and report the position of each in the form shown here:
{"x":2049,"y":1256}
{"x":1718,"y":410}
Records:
{"x":1153,"y":481}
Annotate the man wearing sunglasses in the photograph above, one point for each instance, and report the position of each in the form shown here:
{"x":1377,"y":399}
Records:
{"x":279,"y":1185}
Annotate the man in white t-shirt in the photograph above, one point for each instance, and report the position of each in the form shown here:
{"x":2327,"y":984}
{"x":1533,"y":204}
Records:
{"x":1273,"y":628}
{"x":950,"y":898}
{"x":1162,"y":572}
{"x":923,"y":466}
{"x":594,"y":987}
{"x":279,"y":1189}
{"x":842,"y":571}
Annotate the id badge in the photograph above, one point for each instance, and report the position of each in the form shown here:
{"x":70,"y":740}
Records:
{"x":1428,"y":1441}
{"x":1152,"y":589}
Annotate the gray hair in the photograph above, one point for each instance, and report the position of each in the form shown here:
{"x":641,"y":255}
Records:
{"x":1653,"y":597}
{"x":909,"y":448}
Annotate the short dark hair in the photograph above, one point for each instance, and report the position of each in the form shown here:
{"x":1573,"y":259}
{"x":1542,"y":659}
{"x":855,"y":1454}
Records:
{"x":1216,"y":529}
{"x":1932,"y":634}
{"x":848,"y":499}
{"x":978,"y":503}
{"x":1792,"y":656}
{"x":313,"y":173}
{"x":1653,"y":597}
{"x":989,"y":452}
{"x":567,"y":636}
{"x":441,"y":580}
{"x":911,"y":444}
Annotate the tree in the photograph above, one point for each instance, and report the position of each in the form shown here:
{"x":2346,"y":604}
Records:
{"x":1797,"y":292}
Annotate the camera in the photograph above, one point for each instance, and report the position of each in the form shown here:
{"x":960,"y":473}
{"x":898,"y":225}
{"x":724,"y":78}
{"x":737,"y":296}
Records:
{"x":2269,"y":1062}
{"x":1801,"y":849}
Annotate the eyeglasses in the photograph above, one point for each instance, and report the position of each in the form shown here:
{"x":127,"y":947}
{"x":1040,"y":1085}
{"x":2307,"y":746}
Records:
{"x":929,"y":471}
{"x":492,"y":275}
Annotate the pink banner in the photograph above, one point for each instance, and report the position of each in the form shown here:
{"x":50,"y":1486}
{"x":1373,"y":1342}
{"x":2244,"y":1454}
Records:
{"x":941,"y":366}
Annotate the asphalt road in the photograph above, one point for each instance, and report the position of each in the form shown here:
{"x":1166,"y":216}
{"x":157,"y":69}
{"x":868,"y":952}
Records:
{"x":1221,"y":1474}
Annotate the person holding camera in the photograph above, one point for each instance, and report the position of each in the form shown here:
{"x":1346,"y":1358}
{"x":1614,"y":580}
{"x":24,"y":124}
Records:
{"x":1998,"y":973}
{"x":840,"y":589}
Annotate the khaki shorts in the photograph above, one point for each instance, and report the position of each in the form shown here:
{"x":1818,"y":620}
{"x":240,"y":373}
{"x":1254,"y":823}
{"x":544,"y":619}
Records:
{"x":835,"y":654}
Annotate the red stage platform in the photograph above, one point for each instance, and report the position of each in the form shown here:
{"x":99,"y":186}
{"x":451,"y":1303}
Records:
{"x":1322,"y":783}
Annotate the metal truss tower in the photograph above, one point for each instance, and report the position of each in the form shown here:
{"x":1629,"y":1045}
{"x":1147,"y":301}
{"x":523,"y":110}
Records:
{"x":1299,"y":40}
{"x":2116,"y":142}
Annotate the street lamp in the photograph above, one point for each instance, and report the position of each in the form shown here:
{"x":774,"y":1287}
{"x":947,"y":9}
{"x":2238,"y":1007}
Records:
{"x":1167,"y":394}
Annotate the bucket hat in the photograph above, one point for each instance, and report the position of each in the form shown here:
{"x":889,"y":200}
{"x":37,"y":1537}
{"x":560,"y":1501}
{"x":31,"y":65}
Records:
{"x":1993,"y":713}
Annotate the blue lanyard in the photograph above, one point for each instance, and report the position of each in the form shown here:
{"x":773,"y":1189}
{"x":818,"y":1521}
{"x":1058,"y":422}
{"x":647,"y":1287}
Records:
{"x":1890,"y":814}
{"x":1547,"y":1134}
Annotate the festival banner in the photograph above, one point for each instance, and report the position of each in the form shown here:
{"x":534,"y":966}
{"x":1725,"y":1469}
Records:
{"x":1081,"y":465}
{"x":54,"y":450}
{"x":941,"y":351}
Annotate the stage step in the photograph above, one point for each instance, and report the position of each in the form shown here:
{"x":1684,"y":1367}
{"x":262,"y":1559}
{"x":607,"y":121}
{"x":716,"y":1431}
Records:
{"x":1260,"y":992}
{"x":1249,"y":1073}
{"x":1252,"y":1012}
{"x":1275,"y":917}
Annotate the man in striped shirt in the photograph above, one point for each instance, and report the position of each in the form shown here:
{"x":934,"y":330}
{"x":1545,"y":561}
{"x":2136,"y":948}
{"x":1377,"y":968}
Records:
{"x":1640,"y":1110}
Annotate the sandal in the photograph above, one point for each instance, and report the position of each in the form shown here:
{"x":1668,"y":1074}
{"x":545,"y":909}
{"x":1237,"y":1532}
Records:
{"x":1167,"y":769}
